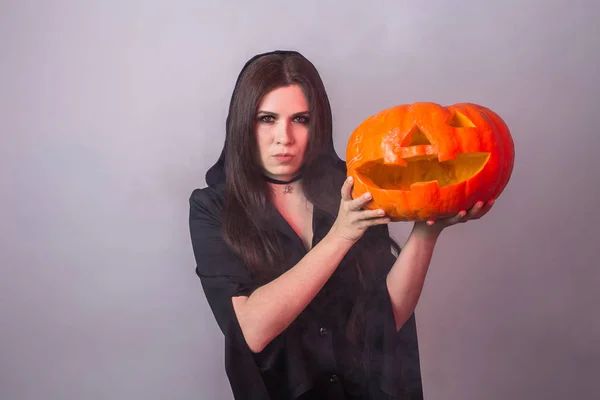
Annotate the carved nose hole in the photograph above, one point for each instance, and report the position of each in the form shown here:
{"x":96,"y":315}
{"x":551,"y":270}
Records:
{"x":415,"y":137}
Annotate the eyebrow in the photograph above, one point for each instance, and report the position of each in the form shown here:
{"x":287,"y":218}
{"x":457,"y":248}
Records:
{"x":298,"y":114}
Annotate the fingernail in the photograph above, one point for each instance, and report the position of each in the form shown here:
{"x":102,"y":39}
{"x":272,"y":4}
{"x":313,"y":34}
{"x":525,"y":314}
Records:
{"x":491,"y":202}
{"x":430,"y":222}
{"x":479,"y":204}
{"x":380,"y":212}
{"x":368,"y":195}
{"x":349,"y":179}
{"x":462,"y":213}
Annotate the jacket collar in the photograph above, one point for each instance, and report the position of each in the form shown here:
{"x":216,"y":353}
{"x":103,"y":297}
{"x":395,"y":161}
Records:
{"x":319,"y":221}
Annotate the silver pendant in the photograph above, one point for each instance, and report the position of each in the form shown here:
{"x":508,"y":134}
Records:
{"x":288,"y":189}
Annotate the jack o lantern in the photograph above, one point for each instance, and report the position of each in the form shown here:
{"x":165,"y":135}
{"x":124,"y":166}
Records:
{"x":424,"y":161}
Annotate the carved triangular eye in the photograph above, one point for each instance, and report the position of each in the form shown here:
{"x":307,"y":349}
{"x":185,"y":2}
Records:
{"x":460,"y":120}
{"x":415,"y":137}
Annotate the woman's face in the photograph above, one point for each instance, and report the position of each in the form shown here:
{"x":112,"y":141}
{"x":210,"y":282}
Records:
{"x":282,"y":131}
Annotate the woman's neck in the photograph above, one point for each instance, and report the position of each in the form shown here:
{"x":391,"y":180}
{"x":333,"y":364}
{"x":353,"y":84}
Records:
{"x":286,"y":186}
{"x":281,"y":192}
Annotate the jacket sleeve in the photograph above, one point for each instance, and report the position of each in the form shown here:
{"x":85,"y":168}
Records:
{"x":222,"y":273}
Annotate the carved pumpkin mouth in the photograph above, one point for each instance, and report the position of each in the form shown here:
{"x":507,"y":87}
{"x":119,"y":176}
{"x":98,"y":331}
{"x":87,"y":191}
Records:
{"x":422,"y":170}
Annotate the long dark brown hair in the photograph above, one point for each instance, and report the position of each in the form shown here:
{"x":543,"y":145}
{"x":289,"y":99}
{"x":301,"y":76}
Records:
{"x":245,"y":220}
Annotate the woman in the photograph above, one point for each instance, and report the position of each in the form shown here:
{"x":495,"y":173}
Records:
{"x":314,"y":298}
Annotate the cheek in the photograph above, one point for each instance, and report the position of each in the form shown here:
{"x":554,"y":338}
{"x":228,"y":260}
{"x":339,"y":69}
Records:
{"x":263,"y":139}
{"x":301,"y":137}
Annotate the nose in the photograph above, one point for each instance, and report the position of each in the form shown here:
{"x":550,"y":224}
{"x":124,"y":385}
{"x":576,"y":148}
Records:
{"x":284,"y":134}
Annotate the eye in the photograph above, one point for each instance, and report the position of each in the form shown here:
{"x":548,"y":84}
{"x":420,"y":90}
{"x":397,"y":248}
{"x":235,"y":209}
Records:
{"x":302,"y":119}
{"x":266,"y":119}
{"x":460,"y":120}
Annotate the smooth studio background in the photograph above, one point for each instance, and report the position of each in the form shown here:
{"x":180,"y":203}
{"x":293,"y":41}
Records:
{"x":111,"y":112}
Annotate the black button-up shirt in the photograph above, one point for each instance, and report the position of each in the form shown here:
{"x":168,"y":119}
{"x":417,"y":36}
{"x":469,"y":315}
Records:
{"x":311,"y":359}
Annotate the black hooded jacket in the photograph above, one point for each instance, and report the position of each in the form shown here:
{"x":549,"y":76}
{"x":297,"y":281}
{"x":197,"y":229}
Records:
{"x":311,"y":359}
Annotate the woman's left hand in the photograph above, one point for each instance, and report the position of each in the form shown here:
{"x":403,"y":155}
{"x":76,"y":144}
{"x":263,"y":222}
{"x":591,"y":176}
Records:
{"x":477,"y":211}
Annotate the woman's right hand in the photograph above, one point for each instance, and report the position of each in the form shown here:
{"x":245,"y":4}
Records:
{"x":352,"y":221}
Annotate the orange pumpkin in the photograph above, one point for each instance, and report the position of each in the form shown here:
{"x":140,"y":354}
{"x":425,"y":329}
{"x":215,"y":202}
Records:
{"x":424,"y":161}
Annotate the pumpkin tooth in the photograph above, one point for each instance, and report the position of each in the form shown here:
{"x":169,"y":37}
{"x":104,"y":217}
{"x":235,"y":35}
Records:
{"x":447,"y":156}
{"x":417,"y":151}
{"x":429,"y":187}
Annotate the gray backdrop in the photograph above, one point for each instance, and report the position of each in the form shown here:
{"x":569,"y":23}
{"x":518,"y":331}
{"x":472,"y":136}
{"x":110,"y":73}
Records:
{"x":111,"y":112}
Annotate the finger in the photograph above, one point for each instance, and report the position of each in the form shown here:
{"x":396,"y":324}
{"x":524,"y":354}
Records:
{"x":375,"y":221}
{"x":370,"y":214}
{"x":346,"y":191}
{"x":486,"y":208}
{"x":460,"y":217}
{"x":475,"y":211}
{"x":357,"y":203}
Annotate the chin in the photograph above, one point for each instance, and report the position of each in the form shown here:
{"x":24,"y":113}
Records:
{"x":283,"y":171}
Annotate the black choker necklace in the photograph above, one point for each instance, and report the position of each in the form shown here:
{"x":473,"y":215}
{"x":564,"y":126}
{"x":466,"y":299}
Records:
{"x":288,"y":188}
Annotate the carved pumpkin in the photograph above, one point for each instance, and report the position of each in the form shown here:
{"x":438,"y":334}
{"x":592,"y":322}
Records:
{"x":424,"y":161}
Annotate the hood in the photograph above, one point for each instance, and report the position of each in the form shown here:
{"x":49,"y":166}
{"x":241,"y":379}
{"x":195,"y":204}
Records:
{"x":216,"y":174}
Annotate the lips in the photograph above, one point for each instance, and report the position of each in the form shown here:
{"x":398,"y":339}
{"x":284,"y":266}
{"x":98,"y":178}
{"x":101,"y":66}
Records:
{"x":283,"y":157}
